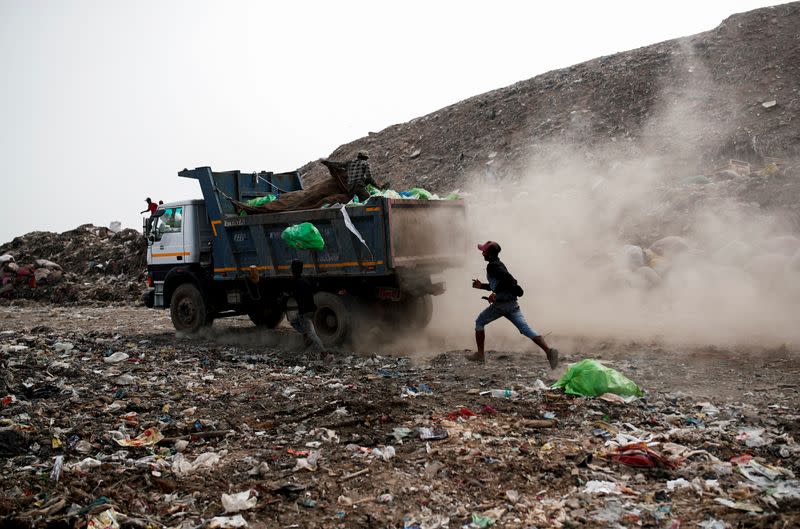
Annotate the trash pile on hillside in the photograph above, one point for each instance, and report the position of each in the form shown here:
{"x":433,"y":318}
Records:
{"x":631,"y":105}
{"x":89,"y":263}
{"x":113,"y":431}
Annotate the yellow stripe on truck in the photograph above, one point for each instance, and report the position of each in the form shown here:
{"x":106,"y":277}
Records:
{"x":321,"y":265}
{"x":176,"y":254}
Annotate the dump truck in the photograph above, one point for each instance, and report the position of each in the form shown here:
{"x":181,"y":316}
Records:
{"x":207,"y":261}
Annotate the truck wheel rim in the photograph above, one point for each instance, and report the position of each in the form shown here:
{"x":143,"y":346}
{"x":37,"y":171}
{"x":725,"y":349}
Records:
{"x":326,"y":322}
{"x":186,"y":311}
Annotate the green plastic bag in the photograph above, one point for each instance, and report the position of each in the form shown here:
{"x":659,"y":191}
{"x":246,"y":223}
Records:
{"x":387,"y":193}
{"x":260,"y":201}
{"x":590,"y":378}
{"x":303,"y":236}
{"x":419,"y":193}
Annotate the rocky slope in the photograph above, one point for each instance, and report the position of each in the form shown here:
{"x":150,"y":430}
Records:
{"x":699,"y":100}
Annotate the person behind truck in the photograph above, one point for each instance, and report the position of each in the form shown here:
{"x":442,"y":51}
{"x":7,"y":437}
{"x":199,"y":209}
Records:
{"x":303,"y":293}
{"x":503,"y":303}
{"x":359,"y":177}
{"x":152,"y":207}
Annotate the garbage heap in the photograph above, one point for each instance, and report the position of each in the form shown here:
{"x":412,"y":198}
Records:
{"x":111,"y":431}
{"x":89,"y":263}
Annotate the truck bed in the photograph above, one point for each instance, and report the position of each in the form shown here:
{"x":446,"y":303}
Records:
{"x":421,"y":235}
{"x":398,"y":234}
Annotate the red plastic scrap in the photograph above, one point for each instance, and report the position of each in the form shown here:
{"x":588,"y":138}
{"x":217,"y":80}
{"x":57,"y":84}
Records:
{"x":741,"y":460}
{"x":460,"y":412}
{"x":488,"y":410}
{"x":639,"y":455}
{"x":298,"y":453}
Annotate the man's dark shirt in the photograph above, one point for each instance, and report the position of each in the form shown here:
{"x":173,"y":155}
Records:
{"x":501,"y":282}
{"x":303,"y":293}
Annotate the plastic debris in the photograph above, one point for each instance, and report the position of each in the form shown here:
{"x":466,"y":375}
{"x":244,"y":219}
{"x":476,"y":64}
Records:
{"x":58,"y":465}
{"x":260,"y":201}
{"x":149,"y":437}
{"x":427,"y":433}
{"x":481,"y":521}
{"x":307,"y":463}
{"x":227,"y":522}
{"x":590,"y":378}
{"x":115,"y":358}
{"x":240,"y":501}
{"x":739,"y":505}
{"x":641,"y":456}
{"x":602,"y":487}
{"x":501,"y":393}
{"x":104,"y":520}
{"x":712,"y":523}
{"x":85,"y":465}
{"x":401,"y":433}
{"x":183,"y":467}
{"x":303,"y":236}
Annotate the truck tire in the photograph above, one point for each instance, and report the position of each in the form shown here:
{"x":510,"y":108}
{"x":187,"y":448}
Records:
{"x":188,"y":310}
{"x":414,"y":313}
{"x":268,"y":315}
{"x":422,"y":314}
{"x":333,"y":319}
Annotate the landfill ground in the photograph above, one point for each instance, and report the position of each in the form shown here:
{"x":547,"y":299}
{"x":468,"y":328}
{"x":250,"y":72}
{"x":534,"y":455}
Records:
{"x":243,"y":410}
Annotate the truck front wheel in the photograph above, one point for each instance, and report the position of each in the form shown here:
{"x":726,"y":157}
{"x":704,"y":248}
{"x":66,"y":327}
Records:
{"x":188,"y":309}
{"x":332,"y":320}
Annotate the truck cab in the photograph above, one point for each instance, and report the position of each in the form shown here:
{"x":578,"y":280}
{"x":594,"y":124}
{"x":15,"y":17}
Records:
{"x":180,"y":240}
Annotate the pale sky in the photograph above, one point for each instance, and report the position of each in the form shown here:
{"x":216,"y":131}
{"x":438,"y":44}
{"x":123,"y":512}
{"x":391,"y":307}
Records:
{"x":105,"y":101}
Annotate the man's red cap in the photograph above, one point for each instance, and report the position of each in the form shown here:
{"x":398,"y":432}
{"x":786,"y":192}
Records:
{"x":489,"y":245}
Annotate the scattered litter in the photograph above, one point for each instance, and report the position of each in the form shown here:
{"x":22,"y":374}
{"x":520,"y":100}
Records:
{"x":227,"y":522}
{"x":149,"y":437}
{"x":240,"y":501}
{"x":104,"y":520}
{"x":427,"y":433}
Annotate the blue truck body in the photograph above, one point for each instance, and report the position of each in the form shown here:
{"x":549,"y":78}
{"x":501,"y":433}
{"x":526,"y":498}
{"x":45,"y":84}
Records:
{"x":378,"y":260}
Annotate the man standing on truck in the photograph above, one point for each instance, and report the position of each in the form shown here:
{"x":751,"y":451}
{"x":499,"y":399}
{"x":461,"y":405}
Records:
{"x":152,"y":207}
{"x":359,"y":176}
{"x":503,"y":303}
{"x":303,"y":293}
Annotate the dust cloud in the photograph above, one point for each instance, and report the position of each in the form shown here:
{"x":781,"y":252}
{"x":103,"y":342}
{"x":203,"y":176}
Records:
{"x":633,"y":238}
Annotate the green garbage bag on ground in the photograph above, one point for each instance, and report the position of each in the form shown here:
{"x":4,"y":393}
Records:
{"x":303,"y":236}
{"x":260,"y":201}
{"x":590,"y":378}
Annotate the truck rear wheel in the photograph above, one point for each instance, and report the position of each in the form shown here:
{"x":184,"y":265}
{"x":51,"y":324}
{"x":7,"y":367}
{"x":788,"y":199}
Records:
{"x":332,"y":320}
{"x":268,"y":315}
{"x":420,"y":311}
{"x":412,"y":313}
{"x":188,"y":310}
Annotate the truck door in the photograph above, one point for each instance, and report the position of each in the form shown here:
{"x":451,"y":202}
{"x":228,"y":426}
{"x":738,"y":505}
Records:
{"x":168,"y":246}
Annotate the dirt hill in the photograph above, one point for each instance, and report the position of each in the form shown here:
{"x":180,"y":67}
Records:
{"x":701,"y":100}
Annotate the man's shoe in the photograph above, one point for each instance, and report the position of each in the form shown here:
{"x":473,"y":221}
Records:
{"x":552,"y":357}
{"x":476,"y":357}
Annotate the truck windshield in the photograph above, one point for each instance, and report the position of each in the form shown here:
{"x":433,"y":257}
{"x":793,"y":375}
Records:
{"x":169,"y":222}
